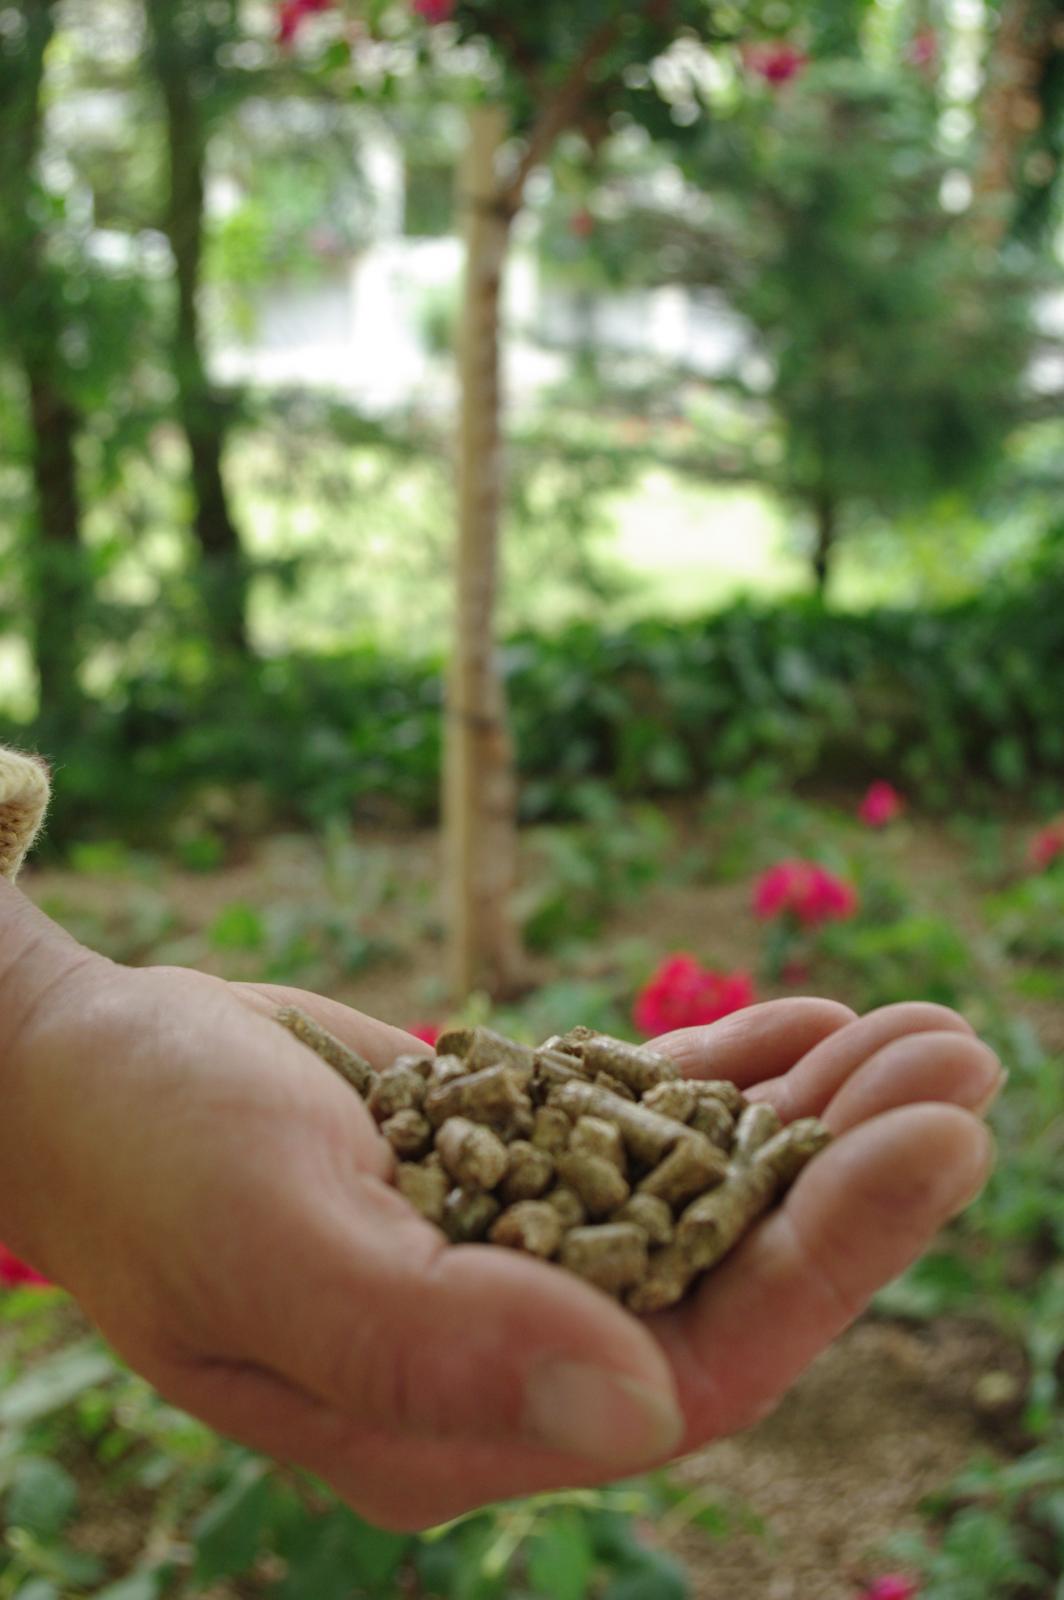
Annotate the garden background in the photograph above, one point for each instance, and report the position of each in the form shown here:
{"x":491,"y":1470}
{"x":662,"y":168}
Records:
{"x":548,"y":514}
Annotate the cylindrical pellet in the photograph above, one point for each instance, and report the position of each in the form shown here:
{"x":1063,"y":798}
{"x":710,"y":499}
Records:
{"x":691,"y":1167}
{"x":425,"y":1188}
{"x":531,"y":1225}
{"x":397,"y":1088}
{"x":529,"y":1174}
{"x":348,"y":1063}
{"x":445,"y":1069}
{"x":675,"y":1099}
{"x":721,"y":1089}
{"x":569,"y":1206}
{"x":551,"y":1130}
{"x":409,"y":1134}
{"x":475,"y":1157}
{"x":489,"y":1049}
{"x":757,"y":1125}
{"x":612,"y":1085}
{"x":468,"y":1214}
{"x":597,"y":1181}
{"x":647,"y":1135}
{"x":790,"y":1150}
{"x":640,"y":1069}
{"x":712,"y":1118}
{"x":594,"y":1136}
{"x":613,"y":1257}
{"x":490,"y":1096}
{"x":652,"y":1215}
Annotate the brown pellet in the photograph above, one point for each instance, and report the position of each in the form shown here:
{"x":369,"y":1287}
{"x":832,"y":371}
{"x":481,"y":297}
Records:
{"x":532,"y":1226}
{"x":594,"y":1136}
{"x":606,"y":1080}
{"x":647,"y":1135}
{"x":490,"y":1096}
{"x":409,"y":1134}
{"x":596,"y":1180}
{"x":489,"y":1049}
{"x":638,"y":1068}
{"x":475,"y":1157}
{"x":613,"y":1257}
{"x":468,"y":1214}
{"x":348,"y":1063}
{"x":729,"y":1095}
{"x":757,"y":1125}
{"x":551,"y":1130}
{"x":529,"y":1175}
{"x":713,"y":1118}
{"x":425,"y":1188}
{"x":397,"y":1088}
{"x":675,"y":1099}
{"x":569,"y":1206}
{"x":691,"y":1167}
{"x":652,"y":1215}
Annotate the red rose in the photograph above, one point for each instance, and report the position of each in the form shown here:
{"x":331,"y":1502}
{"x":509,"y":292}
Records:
{"x":16,"y":1274}
{"x":682,"y":994}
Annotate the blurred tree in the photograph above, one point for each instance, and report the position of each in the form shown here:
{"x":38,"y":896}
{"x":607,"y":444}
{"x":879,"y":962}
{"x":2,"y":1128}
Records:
{"x":187,"y":37}
{"x":34,"y":325}
{"x":1021,"y":121}
{"x":885,"y":358}
{"x":560,"y":66}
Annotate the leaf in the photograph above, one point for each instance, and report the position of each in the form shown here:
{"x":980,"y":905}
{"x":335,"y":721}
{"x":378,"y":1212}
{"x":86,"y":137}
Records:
{"x":238,"y":927}
{"x":229,"y":1533}
{"x":143,"y":1586}
{"x":561,"y":1561}
{"x":56,"y":1382}
{"x":343,"y":1551}
{"x":653,"y":1576}
{"x":38,"y":1589}
{"x":43,"y":1497}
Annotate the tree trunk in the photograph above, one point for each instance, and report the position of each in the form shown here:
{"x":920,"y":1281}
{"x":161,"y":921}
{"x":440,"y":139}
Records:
{"x":825,"y":512}
{"x":55,"y":570}
{"x":1011,"y":114}
{"x":480,"y":789}
{"x":201,"y":412}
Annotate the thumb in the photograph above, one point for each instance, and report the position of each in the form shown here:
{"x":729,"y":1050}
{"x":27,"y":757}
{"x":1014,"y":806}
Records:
{"x":409,"y":1336}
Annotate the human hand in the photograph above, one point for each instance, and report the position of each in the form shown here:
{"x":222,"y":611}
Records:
{"x":219,"y":1203}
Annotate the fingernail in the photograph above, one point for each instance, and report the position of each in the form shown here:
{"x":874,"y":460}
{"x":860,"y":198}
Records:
{"x":969,"y":1178}
{"x":983,"y":1106}
{"x":602,"y":1416}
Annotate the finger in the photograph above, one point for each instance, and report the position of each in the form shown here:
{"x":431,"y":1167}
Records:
{"x":866,"y":1208}
{"x":395,"y":1330}
{"x":379,"y":1042}
{"x":758,"y":1042}
{"x":819,"y":1075}
{"x":949,"y":1067}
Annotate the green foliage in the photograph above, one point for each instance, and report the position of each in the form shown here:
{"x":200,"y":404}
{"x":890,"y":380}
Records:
{"x":962,"y":701}
{"x":587,"y":870}
{"x":1003,"y":1533}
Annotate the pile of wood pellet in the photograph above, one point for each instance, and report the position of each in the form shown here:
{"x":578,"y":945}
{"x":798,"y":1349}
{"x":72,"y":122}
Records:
{"x":588,"y":1151}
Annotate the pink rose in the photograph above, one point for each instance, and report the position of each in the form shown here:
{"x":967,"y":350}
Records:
{"x":1046,"y":846}
{"x":434,"y":11}
{"x":893,"y":1586}
{"x":777,"y":63}
{"x":881,"y":804}
{"x":805,"y":891}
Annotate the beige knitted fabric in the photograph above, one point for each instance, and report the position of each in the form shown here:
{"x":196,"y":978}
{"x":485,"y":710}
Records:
{"x":24,"y":791}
